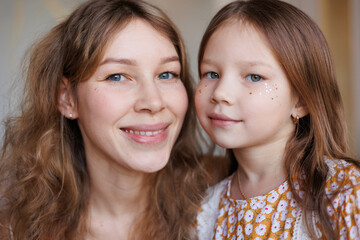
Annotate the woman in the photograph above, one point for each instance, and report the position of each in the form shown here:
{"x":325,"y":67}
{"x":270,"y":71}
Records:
{"x":104,"y":145}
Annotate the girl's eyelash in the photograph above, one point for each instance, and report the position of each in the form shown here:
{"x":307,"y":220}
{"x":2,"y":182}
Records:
{"x":249,"y":77}
{"x":211,"y":75}
{"x":254,"y":77}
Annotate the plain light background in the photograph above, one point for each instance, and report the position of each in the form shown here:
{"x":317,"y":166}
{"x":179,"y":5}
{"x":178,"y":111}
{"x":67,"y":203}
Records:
{"x":24,"y":21}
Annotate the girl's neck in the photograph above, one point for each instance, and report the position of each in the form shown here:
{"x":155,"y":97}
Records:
{"x":261,"y":161}
{"x":261,"y":169}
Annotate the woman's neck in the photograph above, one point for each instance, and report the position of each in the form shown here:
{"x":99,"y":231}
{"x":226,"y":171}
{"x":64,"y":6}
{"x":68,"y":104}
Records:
{"x":118,"y":194}
{"x":117,"y":198}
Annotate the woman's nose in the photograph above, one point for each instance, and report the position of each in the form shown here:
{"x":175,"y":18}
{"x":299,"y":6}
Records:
{"x":150,"y":98}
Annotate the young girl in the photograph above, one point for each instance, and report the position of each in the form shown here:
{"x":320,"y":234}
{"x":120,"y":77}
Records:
{"x":268,"y":94}
{"x":104,"y":144}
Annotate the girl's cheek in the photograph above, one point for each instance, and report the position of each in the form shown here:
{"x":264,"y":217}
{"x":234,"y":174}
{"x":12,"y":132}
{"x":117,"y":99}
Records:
{"x":201,"y":86}
{"x":265,"y":89}
{"x":202,"y":97}
{"x":202,"y":91}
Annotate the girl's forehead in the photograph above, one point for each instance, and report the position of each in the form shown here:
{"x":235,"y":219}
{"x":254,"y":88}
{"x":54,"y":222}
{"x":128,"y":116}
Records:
{"x":239,"y":25}
{"x":238,"y":33}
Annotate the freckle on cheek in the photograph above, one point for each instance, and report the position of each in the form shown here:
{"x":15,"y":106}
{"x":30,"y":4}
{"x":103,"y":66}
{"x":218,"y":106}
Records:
{"x":250,"y":93}
{"x":199,"y":91}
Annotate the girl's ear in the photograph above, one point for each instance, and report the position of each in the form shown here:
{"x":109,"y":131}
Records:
{"x":66,"y":101}
{"x":300,"y":110}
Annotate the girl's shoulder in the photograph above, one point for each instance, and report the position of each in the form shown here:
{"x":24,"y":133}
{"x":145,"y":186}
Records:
{"x":343,"y":191}
{"x":343,"y":176}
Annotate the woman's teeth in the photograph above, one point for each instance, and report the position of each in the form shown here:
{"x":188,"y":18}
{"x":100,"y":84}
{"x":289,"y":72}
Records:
{"x":145,"y":133}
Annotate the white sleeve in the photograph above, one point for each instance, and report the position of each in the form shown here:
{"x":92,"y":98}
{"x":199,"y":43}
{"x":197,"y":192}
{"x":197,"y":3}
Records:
{"x":206,"y":219}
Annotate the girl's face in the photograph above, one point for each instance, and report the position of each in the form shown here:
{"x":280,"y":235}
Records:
{"x":131,"y":110}
{"x":244,"y":99}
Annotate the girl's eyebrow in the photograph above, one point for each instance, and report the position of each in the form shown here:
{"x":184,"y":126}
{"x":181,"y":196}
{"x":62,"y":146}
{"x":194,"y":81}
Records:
{"x":132,"y":62}
{"x":244,"y":63}
{"x":256,"y":63}
{"x":208,"y":61}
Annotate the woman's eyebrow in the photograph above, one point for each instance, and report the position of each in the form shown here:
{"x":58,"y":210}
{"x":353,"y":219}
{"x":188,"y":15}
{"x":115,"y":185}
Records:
{"x":132,"y":62}
{"x":125,"y":61}
{"x":169,"y":59}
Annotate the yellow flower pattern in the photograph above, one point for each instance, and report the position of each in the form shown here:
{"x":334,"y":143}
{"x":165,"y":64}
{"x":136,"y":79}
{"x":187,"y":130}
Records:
{"x":273,"y":215}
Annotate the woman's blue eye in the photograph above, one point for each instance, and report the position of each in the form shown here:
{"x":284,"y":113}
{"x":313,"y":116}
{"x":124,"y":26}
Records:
{"x":212,"y":75}
{"x":116,"y":77}
{"x":167,"y":75}
{"x":253,"y":78}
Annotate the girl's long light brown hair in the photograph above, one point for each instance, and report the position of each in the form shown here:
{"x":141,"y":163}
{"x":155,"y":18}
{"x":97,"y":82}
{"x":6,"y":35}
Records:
{"x":303,"y":52}
{"x":44,"y":182}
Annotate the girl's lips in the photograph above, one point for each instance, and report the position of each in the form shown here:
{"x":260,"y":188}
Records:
{"x":147,"y":134}
{"x":222,"y":120}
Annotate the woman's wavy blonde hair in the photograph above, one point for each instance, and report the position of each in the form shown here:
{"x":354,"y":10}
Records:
{"x":303,"y":53}
{"x":44,"y":182}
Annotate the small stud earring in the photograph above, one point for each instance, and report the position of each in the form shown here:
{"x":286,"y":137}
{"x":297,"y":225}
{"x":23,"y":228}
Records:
{"x":70,"y":115}
{"x":295,"y":119}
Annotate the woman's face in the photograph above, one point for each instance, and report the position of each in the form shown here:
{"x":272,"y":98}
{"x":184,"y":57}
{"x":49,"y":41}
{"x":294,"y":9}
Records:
{"x":131,"y":110}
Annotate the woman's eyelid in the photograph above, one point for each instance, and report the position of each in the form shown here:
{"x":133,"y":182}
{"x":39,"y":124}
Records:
{"x":170,"y":67}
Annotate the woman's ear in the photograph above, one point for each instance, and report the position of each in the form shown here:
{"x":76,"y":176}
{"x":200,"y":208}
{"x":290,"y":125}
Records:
{"x":66,"y":100}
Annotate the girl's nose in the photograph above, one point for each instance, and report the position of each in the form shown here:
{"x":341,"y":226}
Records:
{"x":223,"y":93}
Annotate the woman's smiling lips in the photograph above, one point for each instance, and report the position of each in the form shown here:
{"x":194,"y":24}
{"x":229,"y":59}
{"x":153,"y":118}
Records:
{"x":221,"y":120}
{"x":147,"y":133}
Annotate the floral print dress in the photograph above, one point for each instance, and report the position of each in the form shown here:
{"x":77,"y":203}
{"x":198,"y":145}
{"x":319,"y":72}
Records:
{"x":275,"y":214}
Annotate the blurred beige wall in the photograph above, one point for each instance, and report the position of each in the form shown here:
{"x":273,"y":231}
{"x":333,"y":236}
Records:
{"x":339,"y":21}
{"x":23,"y":21}
{"x":355,"y":43}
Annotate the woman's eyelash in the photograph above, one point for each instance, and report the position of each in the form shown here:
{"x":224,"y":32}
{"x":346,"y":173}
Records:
{"x":117,"y":77}
{"x":168,"y":75}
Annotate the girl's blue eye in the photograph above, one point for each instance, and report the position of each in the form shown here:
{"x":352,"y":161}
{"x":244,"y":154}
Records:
{"x":116,"y":77}
{"x":212,"y":75}
{"x":253,"y":78}
{"x":167,"y":75}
